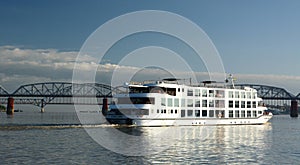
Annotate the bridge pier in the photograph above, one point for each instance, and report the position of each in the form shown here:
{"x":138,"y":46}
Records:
{"x":10,"y":106}
{"x":104,"y":106}
{"x":42,"y":106}
{"x":294,"y":108}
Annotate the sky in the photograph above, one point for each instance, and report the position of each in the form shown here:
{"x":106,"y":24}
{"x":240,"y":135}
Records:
{"x":258,"y":41}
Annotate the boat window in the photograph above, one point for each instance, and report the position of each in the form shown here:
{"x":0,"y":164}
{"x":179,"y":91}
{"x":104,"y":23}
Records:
{"x":136,"y":100}
{"x":138,"y":90}
{"x":230,"y":94}
{"x":243,"y":95}
{"x":162,"y":111}
{"x":243,"y":114}
{"x":230,"y":104}
{"x":176,"y":102}
{"x":254,"y":114}
{"x":237,"y":113}
{"x":204,"y":93}
{"x":211,"y":93}
{"x":236,"y":94}
{"x":220,"y":93}
{"x":217,"y":113}
{"x":248,"y":104}
{"x":163,"y":101}
{"x":171,"y":111}
{"x":190,"y":113}
{"x":220,"y":104}
{"x":221,"y":113}
{"x":204,"y":113}
{"x":254,"y":95}
{"x":183,"y":103}
{"x":190,"y":103}
{"x":248,"y":95}
{"x":211,"y":103}
{"x":197,"y":102}
{"x":157,"y":111}
{"x":134,"y":111}
{"x":197,"y":113}
{"x":204,"y":103}
{"x":171,"y":91}
{"x":182,"y":113}
{"x":259,"y":112}
{"x":165,"y":111}
{"x":190,"y":92}
{"x":243,"y":104}
{"x":211,"y":113}
{"x":237,"y":104}
{"x":170,"y":102}
{"x":230,"y":113}
{"x":175,"y":111}
{"x":178,"y":89}
{"x":261,"y":104}
{"x":197,"y":92}
{"x":156,"y":90}
{"x":253,"y":104}
{"x":248,"y":113}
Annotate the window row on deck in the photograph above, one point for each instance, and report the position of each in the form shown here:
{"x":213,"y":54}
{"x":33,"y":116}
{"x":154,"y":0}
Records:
{"x":212,"y":113}
{"x":221,"y":93}
{"x":197,"y":92}
{"x":170,"y":102}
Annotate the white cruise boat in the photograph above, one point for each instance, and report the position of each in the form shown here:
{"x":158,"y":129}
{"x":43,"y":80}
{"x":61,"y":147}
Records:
{"x":169,"y":102}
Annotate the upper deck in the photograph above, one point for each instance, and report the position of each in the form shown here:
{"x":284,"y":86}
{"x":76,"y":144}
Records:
{"x":205,"y":88}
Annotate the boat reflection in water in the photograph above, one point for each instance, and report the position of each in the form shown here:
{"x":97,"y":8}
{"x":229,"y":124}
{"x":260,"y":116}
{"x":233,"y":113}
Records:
{"x":193,"y":144}
{"x":225,"y":144}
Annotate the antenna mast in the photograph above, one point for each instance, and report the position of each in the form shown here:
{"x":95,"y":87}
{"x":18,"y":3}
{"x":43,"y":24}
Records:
{"x":231,"y":79}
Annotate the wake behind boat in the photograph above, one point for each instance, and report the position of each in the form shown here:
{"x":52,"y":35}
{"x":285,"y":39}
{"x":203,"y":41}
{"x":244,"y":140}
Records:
{"x":168,"y":102}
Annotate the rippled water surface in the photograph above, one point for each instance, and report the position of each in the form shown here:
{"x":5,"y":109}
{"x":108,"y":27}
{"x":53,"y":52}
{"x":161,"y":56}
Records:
{"x":58,"y":138}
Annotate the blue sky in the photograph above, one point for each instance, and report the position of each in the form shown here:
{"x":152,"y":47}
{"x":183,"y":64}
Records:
{"x":253,"y":37}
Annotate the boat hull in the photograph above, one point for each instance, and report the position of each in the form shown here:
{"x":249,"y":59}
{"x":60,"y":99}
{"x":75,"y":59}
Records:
{"x":190,"y":121}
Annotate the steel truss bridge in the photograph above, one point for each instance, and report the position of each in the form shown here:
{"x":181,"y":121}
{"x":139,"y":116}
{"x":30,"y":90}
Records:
{"x":274,"y":97}
{"x":41,"y":94}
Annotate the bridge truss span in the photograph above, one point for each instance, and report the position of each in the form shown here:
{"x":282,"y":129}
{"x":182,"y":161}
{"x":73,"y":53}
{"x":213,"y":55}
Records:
{"x":64,"y":89}
{"x":274,"y":97}
{"x":3,"y":91}
{"x":41,"y":94}
{"x":269,"y":92}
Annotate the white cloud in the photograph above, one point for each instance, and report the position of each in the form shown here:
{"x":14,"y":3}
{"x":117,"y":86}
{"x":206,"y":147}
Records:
{"x":21,"y":66}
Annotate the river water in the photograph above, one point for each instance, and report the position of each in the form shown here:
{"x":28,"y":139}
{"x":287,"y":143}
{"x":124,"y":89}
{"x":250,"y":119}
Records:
{"x":58,"y":138}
